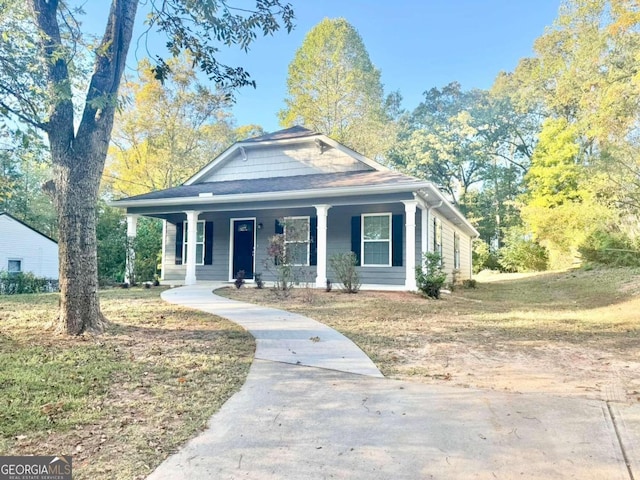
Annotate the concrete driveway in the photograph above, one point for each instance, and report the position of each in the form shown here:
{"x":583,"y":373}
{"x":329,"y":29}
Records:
{"x":315,"y":407}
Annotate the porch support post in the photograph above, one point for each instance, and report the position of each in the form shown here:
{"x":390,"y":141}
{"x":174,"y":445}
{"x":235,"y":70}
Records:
{"x":321,"y":245}
{"x":132,"y":231}
{"x":164,"y":248}
{"x":424,"y":232}
{"x":410,"y":213}
{"x":192,"y":233}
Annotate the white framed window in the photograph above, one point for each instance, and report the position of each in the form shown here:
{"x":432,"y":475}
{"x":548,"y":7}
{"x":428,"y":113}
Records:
{"x":437,"y":236}
{"x":199,"y":243}
{"x":456,"y":250}
{"x":376,"y":240}
{"x":14,"y":265}
{"x":297,"y":240}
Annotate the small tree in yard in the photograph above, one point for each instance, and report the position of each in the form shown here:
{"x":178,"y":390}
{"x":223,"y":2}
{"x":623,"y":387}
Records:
{"x":344,"y":266}
{"x":431,"y":277}
{"x":277,"y":261}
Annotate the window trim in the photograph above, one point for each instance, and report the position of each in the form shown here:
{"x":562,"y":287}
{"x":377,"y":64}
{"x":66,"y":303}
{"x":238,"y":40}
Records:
{"x":307,"y":242}
{"x":437,"y":232}
{"x":185,"y":243}
{"x":456,"y":250}
{"x":363,"y":241}
{"x":19,"y":260}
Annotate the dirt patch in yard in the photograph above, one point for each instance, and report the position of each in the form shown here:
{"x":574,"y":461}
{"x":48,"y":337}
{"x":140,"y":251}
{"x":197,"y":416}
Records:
{"x":566,"y":333}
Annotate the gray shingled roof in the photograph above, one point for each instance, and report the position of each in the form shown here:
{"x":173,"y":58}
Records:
{"x":284,"y":184}
{"x":293,"y":132}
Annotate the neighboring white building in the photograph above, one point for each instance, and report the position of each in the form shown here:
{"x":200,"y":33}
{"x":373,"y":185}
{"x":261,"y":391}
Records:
{"x":23,"y":249}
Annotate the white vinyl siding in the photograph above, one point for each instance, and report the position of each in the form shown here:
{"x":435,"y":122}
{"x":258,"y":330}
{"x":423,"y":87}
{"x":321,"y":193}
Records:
{"x":297,"y":240}
{"x":300,"y":159}
{"x":36,"y":253}
{"x":376,"y":240}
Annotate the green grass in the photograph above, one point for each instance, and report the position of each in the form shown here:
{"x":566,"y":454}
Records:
{"x":120,"y":402}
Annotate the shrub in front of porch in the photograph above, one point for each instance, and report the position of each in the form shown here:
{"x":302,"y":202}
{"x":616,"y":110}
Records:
{"x":430,"y":276}
{"x":344,"y":266}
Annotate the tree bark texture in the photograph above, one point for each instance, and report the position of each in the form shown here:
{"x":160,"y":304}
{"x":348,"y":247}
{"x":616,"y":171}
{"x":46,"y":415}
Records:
{"x":78,"y":156}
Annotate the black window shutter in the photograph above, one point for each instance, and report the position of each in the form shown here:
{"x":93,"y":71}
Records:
{"x":279,"y":228}
{"x":396,"y":240}
{"x":356,"y":237}
{"x":208,"y":243}
{"x":313,"y":241}
{"x":179,"y":241}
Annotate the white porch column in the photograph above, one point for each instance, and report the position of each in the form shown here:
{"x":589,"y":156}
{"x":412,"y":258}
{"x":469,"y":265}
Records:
{"x":321,"y":245}
{"x":192,"y":233}
{"x":424,"y":232}
{"x":164,"y":248}
{"x":410,"y":212}
{"x":132,"y":231}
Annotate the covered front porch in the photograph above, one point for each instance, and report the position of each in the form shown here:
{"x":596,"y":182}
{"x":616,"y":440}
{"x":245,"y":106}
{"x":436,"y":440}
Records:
{"x":388,"y":233}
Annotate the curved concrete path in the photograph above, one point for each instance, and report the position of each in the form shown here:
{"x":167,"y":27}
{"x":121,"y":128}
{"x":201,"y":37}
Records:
{"x":280,"y":336}
{"x":336,"y":420}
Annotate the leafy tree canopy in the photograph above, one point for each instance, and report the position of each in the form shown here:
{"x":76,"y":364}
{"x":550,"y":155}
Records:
{"x":334,"y":88}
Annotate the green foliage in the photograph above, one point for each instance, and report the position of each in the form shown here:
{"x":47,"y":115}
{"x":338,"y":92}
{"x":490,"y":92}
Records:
{"x":469,"y":283}
{"x":148,"y":248}
{"x":333,"y":88}
{"x":522,"y":254}
{"x":344,"y":266}
{"x":430,"y":277}
{"x":25,"y":282}
{"x":483,"y":257}
{"x":610,"y":247}
{"x":111,"y":231}
{"x":167,"y":131}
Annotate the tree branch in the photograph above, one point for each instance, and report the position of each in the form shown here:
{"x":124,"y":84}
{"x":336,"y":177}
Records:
{"x":60,"y":128}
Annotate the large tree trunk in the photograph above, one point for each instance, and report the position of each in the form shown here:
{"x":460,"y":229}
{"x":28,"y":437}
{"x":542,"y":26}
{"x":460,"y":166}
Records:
{"x":75,"y":198}
{"x":78,"y":157}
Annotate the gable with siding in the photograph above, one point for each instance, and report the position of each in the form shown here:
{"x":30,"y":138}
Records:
{"x":288,"y":160}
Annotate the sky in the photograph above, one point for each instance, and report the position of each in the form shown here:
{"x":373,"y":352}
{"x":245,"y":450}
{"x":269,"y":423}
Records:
{"x":416,"y":44}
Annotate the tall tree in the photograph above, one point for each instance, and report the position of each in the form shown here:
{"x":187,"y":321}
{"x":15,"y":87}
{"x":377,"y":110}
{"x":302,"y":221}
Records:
{"x":38,"y":87}
{"x":586,"y":79}
{"x":166,"y":130}
{"x":333,"y":88}
{"x":441,"y":141}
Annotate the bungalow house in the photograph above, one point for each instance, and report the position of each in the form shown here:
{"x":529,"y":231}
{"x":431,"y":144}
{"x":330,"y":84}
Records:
{"x":221,"y":219}
{"x":24,"y":249}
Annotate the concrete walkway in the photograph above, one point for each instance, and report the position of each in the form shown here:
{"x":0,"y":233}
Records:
{"x":315,"y":407}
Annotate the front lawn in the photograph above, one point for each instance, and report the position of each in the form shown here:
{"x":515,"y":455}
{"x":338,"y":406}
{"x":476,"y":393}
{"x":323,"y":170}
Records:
{"x":122,"y":402}
{"x":570,"y":333}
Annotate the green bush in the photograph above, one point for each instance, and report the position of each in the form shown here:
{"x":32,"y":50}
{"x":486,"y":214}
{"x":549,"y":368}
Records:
{"x":610,"y":247}
{"x":521,"y":254}
{"x":344,"y":266}
{"x":25,"y":282}
{"x":484,"y":258}
{"x":431,"y":277}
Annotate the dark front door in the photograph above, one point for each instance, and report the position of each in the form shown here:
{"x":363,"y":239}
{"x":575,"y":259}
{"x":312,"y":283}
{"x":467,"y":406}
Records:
{"x":243,"y":247}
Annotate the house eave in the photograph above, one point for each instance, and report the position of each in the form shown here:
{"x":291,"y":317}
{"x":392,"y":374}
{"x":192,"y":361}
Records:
{"x":320,"y":193}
